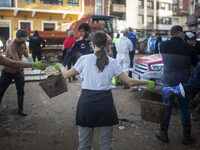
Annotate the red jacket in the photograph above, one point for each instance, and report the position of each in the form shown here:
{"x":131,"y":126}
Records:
{"x":69,"y":42}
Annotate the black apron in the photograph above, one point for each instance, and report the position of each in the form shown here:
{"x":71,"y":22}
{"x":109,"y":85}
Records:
{"x":96,"y":108}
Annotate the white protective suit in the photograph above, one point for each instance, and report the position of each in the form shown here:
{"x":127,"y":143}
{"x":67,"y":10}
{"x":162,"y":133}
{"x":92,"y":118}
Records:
{"x":124,"y":46}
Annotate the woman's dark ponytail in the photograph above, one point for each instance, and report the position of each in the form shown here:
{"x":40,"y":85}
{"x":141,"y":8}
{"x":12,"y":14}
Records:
{"x":100,"y":40}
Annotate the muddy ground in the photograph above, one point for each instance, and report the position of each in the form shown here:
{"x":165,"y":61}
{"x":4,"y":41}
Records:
{"x":50,"y":124}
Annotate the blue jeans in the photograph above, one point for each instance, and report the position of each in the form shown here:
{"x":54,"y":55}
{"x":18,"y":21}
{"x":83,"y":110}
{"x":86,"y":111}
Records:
{"x":193,"y":85}
{"x":6,"y":79}
{"x":36,"y":53}
{"x":184,"y":106}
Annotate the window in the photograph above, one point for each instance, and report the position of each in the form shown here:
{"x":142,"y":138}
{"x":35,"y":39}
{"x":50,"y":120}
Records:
{"x":170,"y":6}
{"x":54,"y":2}
{"x":28,"y":1}
{"x":98,"y":7}
{"x":175,"y":21}
{"x":164,"y":6}
{"x":23,"y":24}
{"x":150,"y":4}
{"x":49,"y":27}
{"x":141,"y":19}
{"x":122,"y":2}
{"x":181,"y":4}
{"x":73,"y":3}
{"x":164,"y":20}
{"x":149,"y":19}
{"x":5,"y":3}
{"x":141,"y":3}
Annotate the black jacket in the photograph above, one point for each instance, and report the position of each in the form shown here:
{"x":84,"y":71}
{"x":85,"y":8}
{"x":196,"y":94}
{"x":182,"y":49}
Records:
{"x":177,"y":56}
{"x":35,"y":43}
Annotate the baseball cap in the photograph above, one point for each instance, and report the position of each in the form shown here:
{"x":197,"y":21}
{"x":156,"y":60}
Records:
{"x":22,"y":34}
{"x":190,"y":36}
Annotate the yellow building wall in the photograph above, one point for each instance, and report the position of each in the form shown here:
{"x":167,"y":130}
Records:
{"x":37,"y":5}
{"x":39,"y":16}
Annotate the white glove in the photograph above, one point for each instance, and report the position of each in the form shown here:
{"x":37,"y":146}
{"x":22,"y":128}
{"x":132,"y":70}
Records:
{"x":30,"y":59}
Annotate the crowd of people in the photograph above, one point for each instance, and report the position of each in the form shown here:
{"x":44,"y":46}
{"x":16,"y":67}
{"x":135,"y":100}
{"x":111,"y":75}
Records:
{"x":178,"y":53}
{"x":88,"y":56}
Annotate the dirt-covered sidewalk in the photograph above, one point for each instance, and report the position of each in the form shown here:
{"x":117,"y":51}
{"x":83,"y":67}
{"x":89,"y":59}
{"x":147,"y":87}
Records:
{"x":50,"y":124}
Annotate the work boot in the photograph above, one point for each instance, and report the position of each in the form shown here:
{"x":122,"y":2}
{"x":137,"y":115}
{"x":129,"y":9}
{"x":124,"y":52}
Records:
{"x":187,"y":138}
{"x":74,"y":78}
{"x":20,"y":99}
{"x":162,"y":134}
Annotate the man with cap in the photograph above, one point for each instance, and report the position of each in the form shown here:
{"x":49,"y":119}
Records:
{"x":35,"y":45}
{"x":123,"y":47}
{"x":14,"y":51}
{"x":190,"y":38}
{"x":177,"y":57}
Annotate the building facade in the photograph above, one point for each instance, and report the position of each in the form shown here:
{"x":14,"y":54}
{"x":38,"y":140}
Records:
{"x":97,"y":7}
{"x":118,"y":11}
{"x":149,"y":17}
{"x":193,"y":20}
{"x":180,"y":10}
{"x":42,"y":15}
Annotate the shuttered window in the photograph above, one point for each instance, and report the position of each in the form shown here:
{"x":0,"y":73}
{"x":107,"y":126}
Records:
{"x":54,"y":2}
{"x":73,"y":3}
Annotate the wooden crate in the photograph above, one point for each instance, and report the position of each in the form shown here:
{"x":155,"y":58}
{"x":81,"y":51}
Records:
{"x":152,"y":108}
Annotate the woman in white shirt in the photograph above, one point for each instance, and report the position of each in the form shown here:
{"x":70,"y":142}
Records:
{"x":95,"y":106}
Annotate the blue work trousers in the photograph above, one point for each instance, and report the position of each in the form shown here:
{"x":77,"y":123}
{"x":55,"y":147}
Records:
{"x":131,"y":55}
{"x":67,"y":56}
{"x":184,"y":106}
{"x":6,"y":79}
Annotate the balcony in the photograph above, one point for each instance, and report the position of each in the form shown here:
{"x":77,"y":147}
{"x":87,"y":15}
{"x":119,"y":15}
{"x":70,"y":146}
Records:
{"x":180,"y":12}
{"x":118,"y":8}
{"x":191,"y":20}
{"x":197,"y":10}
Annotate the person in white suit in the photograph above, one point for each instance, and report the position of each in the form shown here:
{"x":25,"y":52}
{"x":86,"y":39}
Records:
{"x":123,"y":47}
